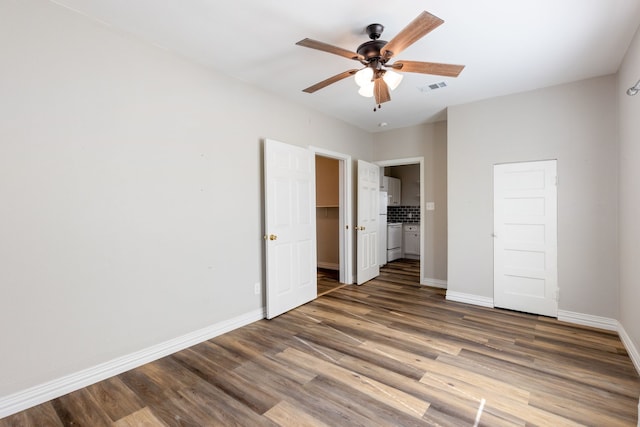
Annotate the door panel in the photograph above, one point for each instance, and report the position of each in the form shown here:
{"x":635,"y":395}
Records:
{"x":368,"y":217}
{"x":290,"y":227}
{"x":525,"y":237}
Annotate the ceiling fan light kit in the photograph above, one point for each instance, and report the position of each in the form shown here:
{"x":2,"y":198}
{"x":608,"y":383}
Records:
{"x":366,"y":91}
{"x":364,"y":77}
{"x":392,"y":79}
{"x":378,"y":76}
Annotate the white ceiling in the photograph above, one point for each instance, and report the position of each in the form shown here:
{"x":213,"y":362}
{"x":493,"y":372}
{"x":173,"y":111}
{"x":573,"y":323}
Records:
{"x":508,"y":46}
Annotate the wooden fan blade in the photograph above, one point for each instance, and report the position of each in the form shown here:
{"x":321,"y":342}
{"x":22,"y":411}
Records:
{"x":449,"y":70}
{"x":329,"y":81}
{"x":418,"y":28}
{"x":314,"y":44}
{"x":381,"y":91}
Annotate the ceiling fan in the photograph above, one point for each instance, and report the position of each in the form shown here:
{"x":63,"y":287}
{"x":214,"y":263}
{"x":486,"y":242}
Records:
{"x":378,"y":75}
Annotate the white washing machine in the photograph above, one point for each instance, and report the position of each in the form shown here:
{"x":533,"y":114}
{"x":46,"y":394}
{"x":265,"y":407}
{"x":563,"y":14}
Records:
{"x":394,"y":241}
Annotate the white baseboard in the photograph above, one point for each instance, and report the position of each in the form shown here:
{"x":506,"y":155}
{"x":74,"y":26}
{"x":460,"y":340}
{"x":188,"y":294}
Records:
{"x":588,"y":320}
{"x":470,"y":299}
{"x":435,"y":283}
{"x":329,"y":265}
{"x":609,"y":325}
{"x":50,"y":390}
{"x":634,"y":354}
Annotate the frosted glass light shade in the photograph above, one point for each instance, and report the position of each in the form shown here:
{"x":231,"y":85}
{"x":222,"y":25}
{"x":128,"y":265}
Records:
{"x":392,"y":79}
{"x":364,"y":76}
{"x":367,"y":90}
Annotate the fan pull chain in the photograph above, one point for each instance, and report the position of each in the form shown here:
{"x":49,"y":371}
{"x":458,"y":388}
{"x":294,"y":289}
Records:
{"x":376,"y":108}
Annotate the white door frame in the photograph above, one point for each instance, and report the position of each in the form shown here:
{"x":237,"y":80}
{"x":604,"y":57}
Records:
{"x":345,"y":212}
{"x":405,"y":162}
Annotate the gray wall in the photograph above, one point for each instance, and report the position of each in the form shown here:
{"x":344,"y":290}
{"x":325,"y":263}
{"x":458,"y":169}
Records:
{"x":428,"y":141}
{"x":130,"y":194}
{"x":574,"y":123}
{"x":629,"y":108}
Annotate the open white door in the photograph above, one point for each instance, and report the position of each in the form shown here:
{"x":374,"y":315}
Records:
{"x":290,"y":227}
{"x":367,"y":225}
{"x":525,"y":237}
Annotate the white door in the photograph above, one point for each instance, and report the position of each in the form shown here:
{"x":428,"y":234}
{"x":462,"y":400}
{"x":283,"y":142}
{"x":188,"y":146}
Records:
{"x":525,"y":237}
{"x":367,"y":225}
{"x":290,"y":227}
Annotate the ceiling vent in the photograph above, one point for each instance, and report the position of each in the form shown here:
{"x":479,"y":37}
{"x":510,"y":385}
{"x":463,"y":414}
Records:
{"x":433,"y":86}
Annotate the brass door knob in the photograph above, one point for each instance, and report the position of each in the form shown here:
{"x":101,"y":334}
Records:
{"x":362,"y":228}
{"x":273,"y":237}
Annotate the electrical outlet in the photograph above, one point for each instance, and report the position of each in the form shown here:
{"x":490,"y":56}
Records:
{"x":257,"y":288}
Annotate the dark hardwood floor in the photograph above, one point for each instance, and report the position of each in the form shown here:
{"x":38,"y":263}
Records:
{"x":328,"y":280}
{"x":389,"y":352}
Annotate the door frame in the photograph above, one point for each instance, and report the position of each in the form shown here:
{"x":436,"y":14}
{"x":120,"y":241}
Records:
{"x":405,"y":162}
{"x":345,"y":211}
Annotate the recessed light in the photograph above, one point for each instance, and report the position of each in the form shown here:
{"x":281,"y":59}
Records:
{"x":382,"y":124}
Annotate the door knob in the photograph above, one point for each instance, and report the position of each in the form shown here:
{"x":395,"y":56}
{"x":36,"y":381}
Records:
{"x":361,"y":228}
{"x":273,"y":237}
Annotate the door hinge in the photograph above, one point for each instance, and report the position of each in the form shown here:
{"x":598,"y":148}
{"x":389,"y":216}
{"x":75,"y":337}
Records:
{"x":557,"y":294}
{"x":556,"y":180}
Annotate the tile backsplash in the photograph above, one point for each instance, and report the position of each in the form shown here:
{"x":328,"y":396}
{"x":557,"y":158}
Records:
{"x":401,"y":214}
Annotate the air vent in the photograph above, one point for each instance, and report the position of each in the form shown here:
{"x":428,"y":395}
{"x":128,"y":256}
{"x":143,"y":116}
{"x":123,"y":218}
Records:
{"x":433,"y":86}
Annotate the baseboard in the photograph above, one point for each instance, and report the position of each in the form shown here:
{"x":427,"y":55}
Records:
{"x":634,"y":354}
{"x":329,"y":265}
{"x":607,"y":324}
{"x":435,"y":283}
{"x":50,"y":390}
{"x":470,"y":299}
{"x":588,"y":320}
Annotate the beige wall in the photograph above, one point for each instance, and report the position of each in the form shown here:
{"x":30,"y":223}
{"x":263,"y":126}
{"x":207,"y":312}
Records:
{"x":574,"y":123}
{"x":629,"y":176}
{"x":428,"y":141}
{"x":130,"y":194}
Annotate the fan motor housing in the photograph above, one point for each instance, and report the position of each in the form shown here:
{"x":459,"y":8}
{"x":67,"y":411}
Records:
{"x":371,"y":49}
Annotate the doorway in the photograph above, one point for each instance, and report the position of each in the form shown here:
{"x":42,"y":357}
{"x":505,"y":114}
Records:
{"x":333,"y":217}
{"x":410,"y":211}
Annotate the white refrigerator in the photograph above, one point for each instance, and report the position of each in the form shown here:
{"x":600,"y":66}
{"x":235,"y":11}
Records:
{"x":382,"y":229}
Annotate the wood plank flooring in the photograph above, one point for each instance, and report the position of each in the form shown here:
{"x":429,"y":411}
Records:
{"x":328,"y":281}
{"x":387,"y":353}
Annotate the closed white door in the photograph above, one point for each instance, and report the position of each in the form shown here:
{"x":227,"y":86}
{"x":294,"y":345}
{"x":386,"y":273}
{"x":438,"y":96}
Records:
{"x":368,"y":217}
{"x":525,"y":237}
{"x":290,"y":227}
